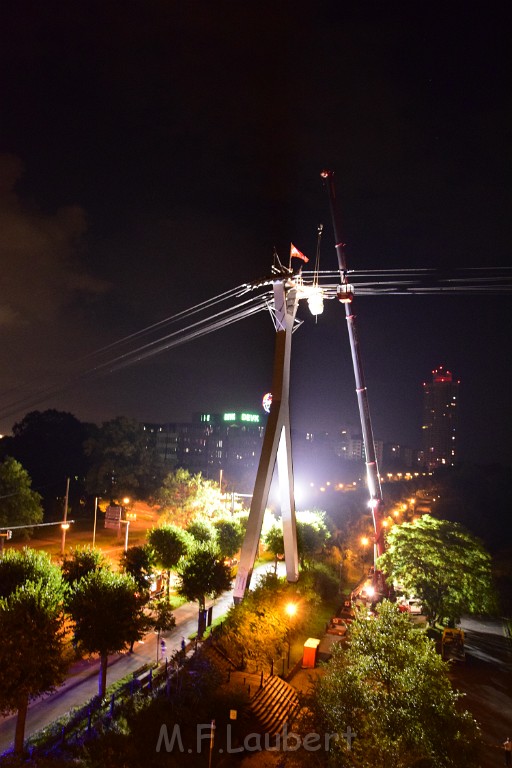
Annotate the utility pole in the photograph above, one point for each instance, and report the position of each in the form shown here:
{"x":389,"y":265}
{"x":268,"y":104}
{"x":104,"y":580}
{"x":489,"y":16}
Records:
{"x":65,"y":524}
{"x":95,"y":516}
{"x":6,"y":535}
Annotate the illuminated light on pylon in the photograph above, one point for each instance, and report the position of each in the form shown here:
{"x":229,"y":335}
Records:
{"x":267,"y":402}
{"x":316,"y":301}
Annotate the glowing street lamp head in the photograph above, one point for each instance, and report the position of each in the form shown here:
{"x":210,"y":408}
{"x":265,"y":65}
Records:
{"x":365,"y":541}
{"x":291,"y":609}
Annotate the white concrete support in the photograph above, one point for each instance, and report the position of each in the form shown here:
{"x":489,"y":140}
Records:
{"x":276,"y":445}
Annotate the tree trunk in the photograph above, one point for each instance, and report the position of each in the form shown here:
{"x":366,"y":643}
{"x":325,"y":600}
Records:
{"x":19,"y":737}
{"x":102,"y":677}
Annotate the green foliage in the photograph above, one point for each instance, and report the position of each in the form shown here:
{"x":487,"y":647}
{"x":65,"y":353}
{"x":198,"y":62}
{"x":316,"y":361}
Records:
{"x":257,"y":628}
{"x":49,"y":445}
{"x":107,"y":614}
{"x":183,"y":496}
{"x":169,"y":543}
{"x":442,"y":564}
{"x":321,"y":580}
{"x":162,"y":618}
{"x":312,"y":534}
{"x":274,"y":541}
{"x":103,"y":605}
{"x":139,"y":562}
{"x":202,"y":531}
{"x":203,"y":574}
{"x":32,"y":659}
{"x":20,"y":566}
{"x":80,"y":562}
{"x":19,"y":504}
{"x":390,"y":687}
{"x":230,"y":535}
{"x":121,"y":462}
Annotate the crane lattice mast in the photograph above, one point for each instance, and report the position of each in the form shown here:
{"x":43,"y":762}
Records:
{"x":345,"y":295}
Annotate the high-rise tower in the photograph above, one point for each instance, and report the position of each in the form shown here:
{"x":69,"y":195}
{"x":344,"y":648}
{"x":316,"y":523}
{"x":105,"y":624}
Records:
{"x":440,"y":417}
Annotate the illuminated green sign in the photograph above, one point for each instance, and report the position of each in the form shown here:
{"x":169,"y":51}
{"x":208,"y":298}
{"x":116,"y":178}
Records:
{"x":252,"y":418}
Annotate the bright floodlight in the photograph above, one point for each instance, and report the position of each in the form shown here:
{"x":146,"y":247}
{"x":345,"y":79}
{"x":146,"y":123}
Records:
{"x":316,"y":301}
{"x":291,"y":609}
{"x":370,"y":591}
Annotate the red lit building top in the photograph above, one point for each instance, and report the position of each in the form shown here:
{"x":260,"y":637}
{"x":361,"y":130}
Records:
{"x":440,"y":417}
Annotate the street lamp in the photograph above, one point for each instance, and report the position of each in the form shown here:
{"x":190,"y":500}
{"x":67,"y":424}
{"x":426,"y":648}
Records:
{"x":364,"y":543}
{"x":127,"y":523}
{"x":291,"y":610}
{"x":65,"y":524}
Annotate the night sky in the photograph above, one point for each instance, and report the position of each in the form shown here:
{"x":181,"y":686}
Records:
{"x":154,"y":153}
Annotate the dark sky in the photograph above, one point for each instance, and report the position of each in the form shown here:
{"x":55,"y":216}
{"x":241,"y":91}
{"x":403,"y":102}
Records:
{"x":155,"y":152}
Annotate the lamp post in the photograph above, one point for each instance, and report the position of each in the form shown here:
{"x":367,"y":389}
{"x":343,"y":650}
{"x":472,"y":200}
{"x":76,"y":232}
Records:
{"x":364,"y":543}
{"x":127,"y":523}
{"x":291,"y":610}
{"x":65,"y":525}
{"x":95,"y":518}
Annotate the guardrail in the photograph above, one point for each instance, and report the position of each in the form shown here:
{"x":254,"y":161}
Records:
{"x":99,"y":713}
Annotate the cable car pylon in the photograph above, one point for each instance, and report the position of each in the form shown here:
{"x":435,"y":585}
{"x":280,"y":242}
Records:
{"x":276,"y":443}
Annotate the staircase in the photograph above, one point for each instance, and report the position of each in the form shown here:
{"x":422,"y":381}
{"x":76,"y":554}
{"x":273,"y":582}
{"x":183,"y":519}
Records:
{"x":274,"y":704}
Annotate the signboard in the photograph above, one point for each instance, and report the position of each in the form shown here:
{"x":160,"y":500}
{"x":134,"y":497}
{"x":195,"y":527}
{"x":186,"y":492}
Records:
{"x":253,"y":418}
{"x":113,"y":517}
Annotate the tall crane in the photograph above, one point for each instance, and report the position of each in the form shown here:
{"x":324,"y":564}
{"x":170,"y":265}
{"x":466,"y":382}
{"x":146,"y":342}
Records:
{"x":288,"y":289}
{"x":345,"y":295}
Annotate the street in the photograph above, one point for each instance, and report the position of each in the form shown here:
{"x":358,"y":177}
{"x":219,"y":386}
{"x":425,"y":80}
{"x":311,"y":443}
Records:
{"x":486,"y":680}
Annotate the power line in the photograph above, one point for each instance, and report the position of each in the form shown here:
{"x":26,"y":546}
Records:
{"x":256,"y":298}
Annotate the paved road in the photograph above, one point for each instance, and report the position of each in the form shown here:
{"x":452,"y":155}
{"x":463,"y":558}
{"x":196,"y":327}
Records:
{"x":82,"y":682}
{"x":486,"y":680}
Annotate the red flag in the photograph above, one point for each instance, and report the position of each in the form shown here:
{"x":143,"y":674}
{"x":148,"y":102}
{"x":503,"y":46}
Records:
{"x":295,"y":253}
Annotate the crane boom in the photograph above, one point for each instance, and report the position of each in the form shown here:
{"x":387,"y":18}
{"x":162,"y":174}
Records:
{"x":345,"y":295}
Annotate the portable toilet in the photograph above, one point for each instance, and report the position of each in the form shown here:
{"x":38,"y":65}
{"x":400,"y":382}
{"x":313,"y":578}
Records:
{"x":310,"y":655}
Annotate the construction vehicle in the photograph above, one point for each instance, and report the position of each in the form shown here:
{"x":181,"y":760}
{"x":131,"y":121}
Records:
{"x":452,"y":645}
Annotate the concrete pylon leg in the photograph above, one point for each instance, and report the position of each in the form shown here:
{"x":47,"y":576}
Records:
{"x":276,"y":444}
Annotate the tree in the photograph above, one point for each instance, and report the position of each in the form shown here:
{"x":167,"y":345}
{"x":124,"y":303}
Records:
{"x":274,"y":542}
{"x":122,"y":464}
{"x":19,"y":504}
{"x":80,"y":562}
{"x":50,"y":445}
{"x":162,"y":618}
{"x":230,"y":535}
{"x":391,"y":688}
{"x":139,"y":562}
{"x":203,"y":574}
{"x":32,"y":659}
{"x":257,"y":628}
{"x":442,"y":564}
{"x":182,"y":496}
{"x":202,"y":531}
{"x":312,"y":534}
{"x":107,"y":614}
{"x":169,"y":543}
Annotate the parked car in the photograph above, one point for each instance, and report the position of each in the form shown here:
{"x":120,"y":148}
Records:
{"x":337,"y":626}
